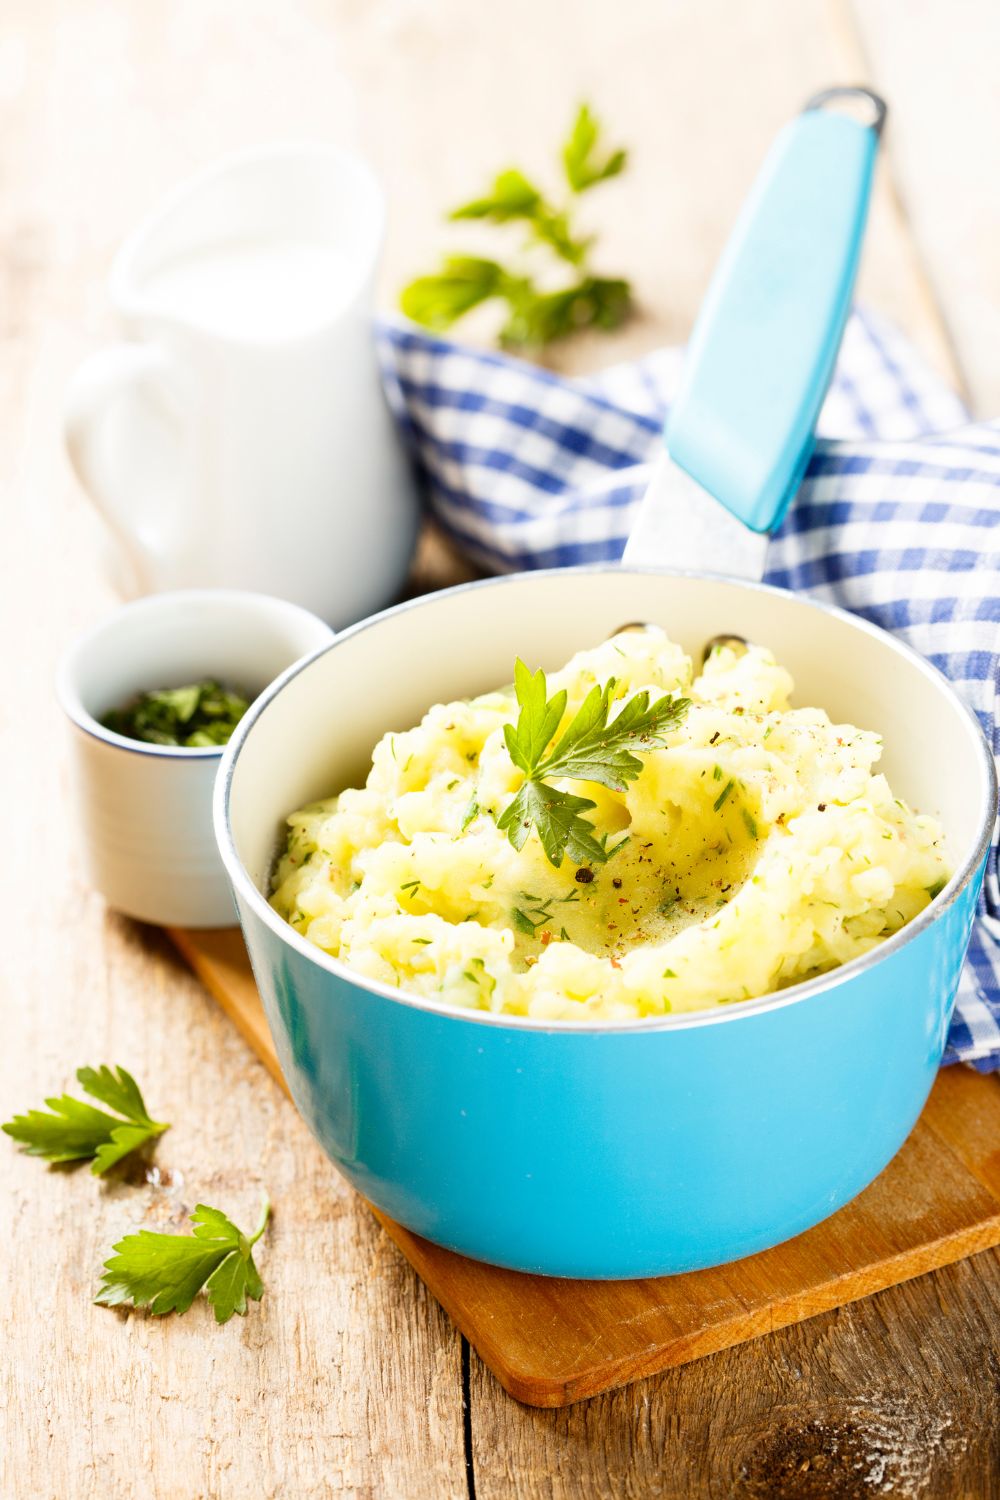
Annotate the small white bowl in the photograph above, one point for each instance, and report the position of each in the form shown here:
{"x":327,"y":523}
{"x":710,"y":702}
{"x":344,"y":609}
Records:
{"x":146,"y":810}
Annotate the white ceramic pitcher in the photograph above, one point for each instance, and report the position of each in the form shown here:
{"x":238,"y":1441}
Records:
{"x":240,"y":437}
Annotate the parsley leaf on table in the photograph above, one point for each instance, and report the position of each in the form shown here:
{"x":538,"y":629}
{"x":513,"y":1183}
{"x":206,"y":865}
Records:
{"x":75,"y":1131}
{"x":165,"y":1272}
{"x":593,"y":747}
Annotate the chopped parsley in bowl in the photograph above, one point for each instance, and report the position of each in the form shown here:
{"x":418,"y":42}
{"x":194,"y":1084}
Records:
{"x":194,"y":717}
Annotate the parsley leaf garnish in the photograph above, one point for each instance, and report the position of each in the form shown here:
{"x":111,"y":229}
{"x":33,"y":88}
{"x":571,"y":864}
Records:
{"x":75,"y":1131}
{"x":593,"y":747}
{"x":165,"y":1272}
{"x":558,"y":818}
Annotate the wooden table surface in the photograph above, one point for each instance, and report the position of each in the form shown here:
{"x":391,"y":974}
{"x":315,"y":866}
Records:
{"x":347,"y":1378}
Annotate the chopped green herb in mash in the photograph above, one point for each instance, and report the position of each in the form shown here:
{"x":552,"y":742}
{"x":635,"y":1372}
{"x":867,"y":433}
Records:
{"x":743,"y":860}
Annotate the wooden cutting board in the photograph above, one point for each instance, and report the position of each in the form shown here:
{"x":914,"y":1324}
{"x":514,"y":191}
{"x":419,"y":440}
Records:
{"x":552,"y":1342}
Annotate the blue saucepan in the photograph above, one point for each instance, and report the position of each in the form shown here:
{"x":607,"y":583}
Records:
{"x":661,"y":1145}
{"x":587,"y":1149}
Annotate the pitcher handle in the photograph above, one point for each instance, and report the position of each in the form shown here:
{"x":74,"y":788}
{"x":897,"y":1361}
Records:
{"x":143,"y":517}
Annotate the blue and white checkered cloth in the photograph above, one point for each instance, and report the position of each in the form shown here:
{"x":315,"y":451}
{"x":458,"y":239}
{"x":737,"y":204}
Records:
{"x":897,"y":519}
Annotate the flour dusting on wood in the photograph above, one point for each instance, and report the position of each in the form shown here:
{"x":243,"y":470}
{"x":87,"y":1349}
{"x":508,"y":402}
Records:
{"x":879,"y":1444}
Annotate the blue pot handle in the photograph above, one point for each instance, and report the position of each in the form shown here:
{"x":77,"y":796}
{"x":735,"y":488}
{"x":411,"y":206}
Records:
{"x":765,"y":343}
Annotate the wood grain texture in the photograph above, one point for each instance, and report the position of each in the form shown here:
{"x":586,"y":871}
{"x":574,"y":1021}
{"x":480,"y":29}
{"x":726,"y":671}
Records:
{"x":945,"y":153}
{"x":898,"y":1396}
{"x":334,"y":1360}
{"x":551,"y":1342}
{"x":348,"y":1379}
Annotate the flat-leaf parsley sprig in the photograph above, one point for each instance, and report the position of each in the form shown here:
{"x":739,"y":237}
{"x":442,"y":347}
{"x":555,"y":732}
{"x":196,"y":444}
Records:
{"x":75,"y":1131}
{"x":593,"y":747}
{"x":165,"y":1272}
{"x":568,"y":296}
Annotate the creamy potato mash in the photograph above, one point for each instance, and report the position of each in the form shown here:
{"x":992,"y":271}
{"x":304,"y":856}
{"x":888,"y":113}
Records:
{"x":762,"y":848}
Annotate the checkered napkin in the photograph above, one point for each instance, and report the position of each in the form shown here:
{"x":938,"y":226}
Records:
{"x":897,"y":519}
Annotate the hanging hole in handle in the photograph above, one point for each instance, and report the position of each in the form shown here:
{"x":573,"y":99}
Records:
{"x":873,"y":107}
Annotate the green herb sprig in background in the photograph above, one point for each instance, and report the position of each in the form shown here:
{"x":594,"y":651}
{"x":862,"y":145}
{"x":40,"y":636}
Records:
{"x":536,"y":314}
{"x":165,"y":1272}
{"x":75,"y":1131}
{"x":593,"y":747}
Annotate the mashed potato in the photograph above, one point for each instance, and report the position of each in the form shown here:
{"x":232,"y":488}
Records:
{"x":761,"y":849}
